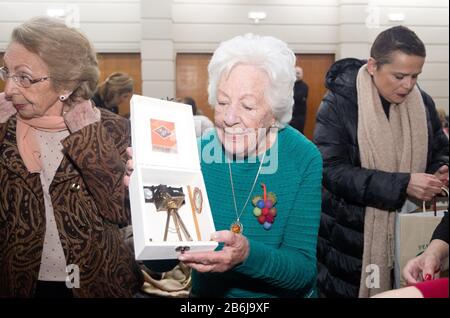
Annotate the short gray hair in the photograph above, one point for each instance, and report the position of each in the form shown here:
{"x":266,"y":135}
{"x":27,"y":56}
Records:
{"x":272,"y":56}
{"x":69,"y":55}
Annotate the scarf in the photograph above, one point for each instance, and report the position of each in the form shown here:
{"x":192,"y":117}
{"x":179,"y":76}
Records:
{"x":399,"y":144}
{"x":26,"y":141}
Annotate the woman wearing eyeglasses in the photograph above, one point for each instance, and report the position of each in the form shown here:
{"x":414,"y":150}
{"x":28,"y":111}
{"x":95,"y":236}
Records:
{"x":61,"y":161}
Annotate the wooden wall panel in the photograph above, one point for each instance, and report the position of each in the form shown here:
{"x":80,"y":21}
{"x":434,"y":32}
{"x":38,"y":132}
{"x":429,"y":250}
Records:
{"x":315,"y":67}
{"x":122,"y":62}
{"x":192,"y":80}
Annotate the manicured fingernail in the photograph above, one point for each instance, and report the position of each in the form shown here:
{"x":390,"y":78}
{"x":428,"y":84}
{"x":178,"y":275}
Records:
{"x":427,"y":277}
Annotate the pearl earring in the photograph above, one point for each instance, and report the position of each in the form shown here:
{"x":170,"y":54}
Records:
{"x":62,"y":98}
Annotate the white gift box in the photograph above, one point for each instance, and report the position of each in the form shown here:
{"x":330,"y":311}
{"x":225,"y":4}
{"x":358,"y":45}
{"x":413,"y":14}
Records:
{"x":165,"y":153}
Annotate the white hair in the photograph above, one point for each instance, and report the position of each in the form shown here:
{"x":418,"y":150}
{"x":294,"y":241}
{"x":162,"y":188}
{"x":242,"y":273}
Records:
{"x":269,"y":54}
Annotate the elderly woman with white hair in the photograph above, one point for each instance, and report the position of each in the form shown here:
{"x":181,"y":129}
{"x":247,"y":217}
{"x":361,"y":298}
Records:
{"x":262,"y":176}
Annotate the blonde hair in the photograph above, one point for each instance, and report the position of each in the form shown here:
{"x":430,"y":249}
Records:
{"x":68,"y":54}
{"x":116,"y":84}
{"x":442,"y":116}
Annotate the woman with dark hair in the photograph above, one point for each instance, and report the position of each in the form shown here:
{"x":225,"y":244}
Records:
{"x":382,"y":145}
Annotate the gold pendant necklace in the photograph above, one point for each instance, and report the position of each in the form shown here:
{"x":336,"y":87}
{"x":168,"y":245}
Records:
{"x":236,"y":226}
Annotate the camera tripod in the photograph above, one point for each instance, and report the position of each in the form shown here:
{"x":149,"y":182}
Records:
{"x":172,"y":211}
{"x":168,"y":199}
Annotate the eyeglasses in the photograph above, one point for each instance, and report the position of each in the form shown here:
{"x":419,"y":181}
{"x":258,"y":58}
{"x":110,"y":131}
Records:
{"x":23,"y":80}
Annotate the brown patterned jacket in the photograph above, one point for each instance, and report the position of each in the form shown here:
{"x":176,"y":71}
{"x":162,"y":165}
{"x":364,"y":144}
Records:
{"x":89,"y":202}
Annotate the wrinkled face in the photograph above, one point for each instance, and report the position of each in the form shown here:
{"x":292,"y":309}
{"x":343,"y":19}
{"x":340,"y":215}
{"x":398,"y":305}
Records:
{"x":40,"y":98}
{"x":396,"y":80}
{"x":242,"y":109}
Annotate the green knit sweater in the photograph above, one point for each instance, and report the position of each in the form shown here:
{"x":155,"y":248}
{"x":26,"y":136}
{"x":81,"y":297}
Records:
{"x":282,"y":260}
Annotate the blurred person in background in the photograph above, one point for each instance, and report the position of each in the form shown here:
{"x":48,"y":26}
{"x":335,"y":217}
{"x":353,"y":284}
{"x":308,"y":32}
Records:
{"x":115,"y":89}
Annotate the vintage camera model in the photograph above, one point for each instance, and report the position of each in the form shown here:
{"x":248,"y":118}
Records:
{"x":168,"y":199}
{"x":164,"y":197}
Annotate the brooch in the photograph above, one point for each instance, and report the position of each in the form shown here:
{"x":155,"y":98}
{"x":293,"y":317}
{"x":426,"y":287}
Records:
{"x":265,"y":210}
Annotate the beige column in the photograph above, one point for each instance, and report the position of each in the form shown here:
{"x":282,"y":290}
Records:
{"x":157,"y":50}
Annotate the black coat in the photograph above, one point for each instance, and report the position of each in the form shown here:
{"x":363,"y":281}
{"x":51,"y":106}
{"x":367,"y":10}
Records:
{"x":348,"y":188}
{"x":299,"y":109}
{"x":442,"y":230}
{"x":99,"y":102}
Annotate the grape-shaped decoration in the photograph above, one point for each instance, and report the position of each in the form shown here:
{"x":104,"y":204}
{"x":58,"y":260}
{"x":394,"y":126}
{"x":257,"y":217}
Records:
{"x":267,"y":225}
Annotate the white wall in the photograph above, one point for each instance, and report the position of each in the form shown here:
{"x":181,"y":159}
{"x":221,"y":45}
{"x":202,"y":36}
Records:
{"x":309,"y":26}
{"x":428,"y":18}
{"x":112,"y":25}
{"x":173,"y":26}
{"x":161,"y":28}
{"x":158,"y":54}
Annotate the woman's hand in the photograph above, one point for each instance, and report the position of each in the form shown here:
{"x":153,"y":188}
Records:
{"x":81,"y":115}
{"x":424,"y":266}
{"x":442,"y":174}
{"x":128,"y":167}
{"x":7,"y":109}
{"x":235,"y":251}
{"x":424,"y":186}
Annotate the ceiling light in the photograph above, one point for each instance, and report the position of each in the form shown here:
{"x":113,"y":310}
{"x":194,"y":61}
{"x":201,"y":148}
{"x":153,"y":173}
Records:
{"x":396,"y":17}
{"x":256,"y":16}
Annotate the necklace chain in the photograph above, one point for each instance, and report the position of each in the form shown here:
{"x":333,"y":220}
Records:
{"x":238,"y":216}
